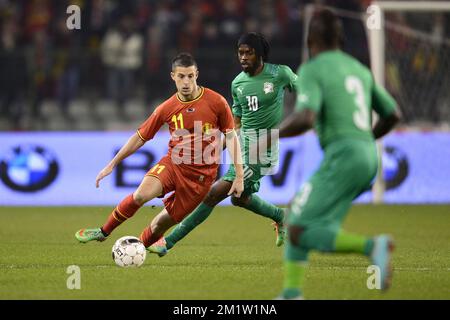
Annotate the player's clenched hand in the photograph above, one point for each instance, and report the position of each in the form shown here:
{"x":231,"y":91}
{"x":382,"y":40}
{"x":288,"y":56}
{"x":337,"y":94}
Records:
{"x":105,"y":172}
{"x":237,"y":187}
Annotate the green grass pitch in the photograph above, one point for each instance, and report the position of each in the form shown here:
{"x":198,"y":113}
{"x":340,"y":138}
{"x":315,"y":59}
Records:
{"x":231,"y":256}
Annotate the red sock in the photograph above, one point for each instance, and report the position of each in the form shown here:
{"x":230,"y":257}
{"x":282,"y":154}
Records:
{"x":125,"y":210}
{"x":148,"y":237}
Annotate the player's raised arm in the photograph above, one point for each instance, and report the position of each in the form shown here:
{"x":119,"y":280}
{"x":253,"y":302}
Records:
{"x":133,"y":144}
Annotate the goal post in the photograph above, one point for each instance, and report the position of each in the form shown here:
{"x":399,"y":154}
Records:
{"x":376,"y":35}
{"x":377,"y":42}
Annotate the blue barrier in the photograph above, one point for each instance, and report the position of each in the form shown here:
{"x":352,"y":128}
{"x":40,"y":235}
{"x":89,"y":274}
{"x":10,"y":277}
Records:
{"x":59,"y":168}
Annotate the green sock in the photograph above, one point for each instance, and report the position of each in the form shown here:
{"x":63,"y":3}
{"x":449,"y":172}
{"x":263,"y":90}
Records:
{"x":353,"y":243}
{"x":295,"y":261}
{"x":294,"y":273}
{"x":188,"y":224}
{"x":265,"y":209}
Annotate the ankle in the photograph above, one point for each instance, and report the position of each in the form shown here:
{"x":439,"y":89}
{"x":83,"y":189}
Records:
{"x":289,"y":293}
{"x":103,"y":232}
{"x":368,"y":247}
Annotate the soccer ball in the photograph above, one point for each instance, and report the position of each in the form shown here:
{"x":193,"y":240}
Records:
{"x":128,"y":251}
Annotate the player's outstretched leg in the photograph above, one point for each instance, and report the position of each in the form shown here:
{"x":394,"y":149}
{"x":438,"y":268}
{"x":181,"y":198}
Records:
{"x":86,"y":235}
{"x":295,"y":264}
{"x":149,"y":188}
{"x":152,"y":236}
{"x":125,"y":210}
{"x":381,"y":257}
{"x":200,"y":214}
{"x":218,"y":192}
{"x":159,"y":247}
{"x":323,"y":238}
{"x":265,"y":209}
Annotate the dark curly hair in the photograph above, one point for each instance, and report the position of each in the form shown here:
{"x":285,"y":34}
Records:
{"x":258,"y":42}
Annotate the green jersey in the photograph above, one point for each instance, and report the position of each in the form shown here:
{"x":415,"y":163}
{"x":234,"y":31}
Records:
{"x":258,"y":100}
{"x":343,"y":93}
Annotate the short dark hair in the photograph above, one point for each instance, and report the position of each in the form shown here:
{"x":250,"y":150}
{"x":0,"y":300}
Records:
{"x":326,"y":28}
{"x":258,"y":42}
{"x":183,"y":59}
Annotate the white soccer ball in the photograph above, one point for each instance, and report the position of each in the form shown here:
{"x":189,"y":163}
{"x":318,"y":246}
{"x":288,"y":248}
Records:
{"x":129,"y":251}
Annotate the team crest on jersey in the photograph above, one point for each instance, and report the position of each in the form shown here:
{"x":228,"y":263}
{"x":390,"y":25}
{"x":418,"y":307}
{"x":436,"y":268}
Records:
{"x":207,"y":128}
{"x":268,"y":87}
{"x":302,"y":97}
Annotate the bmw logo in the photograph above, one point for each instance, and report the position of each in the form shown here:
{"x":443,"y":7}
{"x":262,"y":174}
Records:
{"x":395,"y":167}
{"x":28,"y":168}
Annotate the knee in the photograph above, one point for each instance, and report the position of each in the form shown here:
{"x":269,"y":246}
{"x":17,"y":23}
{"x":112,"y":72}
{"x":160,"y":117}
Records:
{"x":295,"y":232}
{"x":212,"y":198}
{"x":240,"y":202}
{"x":156,"y":227}
{"x":140,"y":197}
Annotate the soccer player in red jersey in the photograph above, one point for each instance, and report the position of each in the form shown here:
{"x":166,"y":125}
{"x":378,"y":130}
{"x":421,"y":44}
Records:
{"x":196,"y":116}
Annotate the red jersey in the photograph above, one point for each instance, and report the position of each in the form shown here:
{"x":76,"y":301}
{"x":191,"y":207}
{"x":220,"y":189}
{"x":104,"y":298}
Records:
{"x":194,"y":126}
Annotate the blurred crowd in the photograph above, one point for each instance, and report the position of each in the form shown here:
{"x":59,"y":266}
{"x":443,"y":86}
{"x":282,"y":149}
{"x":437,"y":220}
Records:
{"x":124,"y":48}
{"x":418,"y":65}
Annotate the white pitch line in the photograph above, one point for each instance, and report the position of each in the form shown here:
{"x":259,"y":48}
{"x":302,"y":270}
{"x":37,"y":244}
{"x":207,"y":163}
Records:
{"x":395,"y":268}
{"x":13,"y":266}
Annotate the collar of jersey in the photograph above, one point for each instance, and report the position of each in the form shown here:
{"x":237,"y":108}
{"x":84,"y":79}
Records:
{"x":259,"y":74}
{"x":193,"y":100}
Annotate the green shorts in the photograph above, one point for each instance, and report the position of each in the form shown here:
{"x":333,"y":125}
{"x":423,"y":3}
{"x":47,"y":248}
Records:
{"x":348,"y":168}
{"x":253,"y":174}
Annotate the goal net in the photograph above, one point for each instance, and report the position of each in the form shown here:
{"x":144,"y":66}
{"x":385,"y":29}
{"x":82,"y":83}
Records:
{"x":416,"y":59}
{"x":407,"y":46}
{"x":408,"y":52}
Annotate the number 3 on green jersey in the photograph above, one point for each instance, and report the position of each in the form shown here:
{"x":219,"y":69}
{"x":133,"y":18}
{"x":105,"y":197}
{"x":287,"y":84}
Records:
{"x":361,"y":118}
{"x":343,"y":93}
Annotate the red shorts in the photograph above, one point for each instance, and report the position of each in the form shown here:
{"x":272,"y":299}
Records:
{"x":190,"y":186}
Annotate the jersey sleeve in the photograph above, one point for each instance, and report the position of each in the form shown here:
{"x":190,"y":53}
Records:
{"x":226,"y":121}
{"x":382,"y":102}
{"x":309,"y":92}
{"x":153,"y":123}
{"x":237,"y":108}
{"x":288,"y":78}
